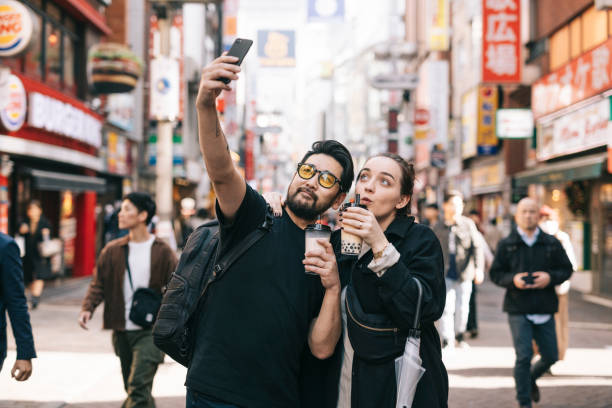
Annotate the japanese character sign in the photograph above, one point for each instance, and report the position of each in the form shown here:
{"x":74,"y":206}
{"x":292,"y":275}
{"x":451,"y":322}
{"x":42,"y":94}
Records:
{"x":501,"y":50}
{"x":587,"y":75}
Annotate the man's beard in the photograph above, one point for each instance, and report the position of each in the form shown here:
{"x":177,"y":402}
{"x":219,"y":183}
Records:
{"x":305,"y":210}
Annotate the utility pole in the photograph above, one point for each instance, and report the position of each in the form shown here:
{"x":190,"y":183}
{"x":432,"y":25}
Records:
{"x":163,"y":168}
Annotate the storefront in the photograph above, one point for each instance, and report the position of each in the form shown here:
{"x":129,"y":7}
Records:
{"x":488,"y":187}
{"x":55,"y":160}
{"x":49,"y":137}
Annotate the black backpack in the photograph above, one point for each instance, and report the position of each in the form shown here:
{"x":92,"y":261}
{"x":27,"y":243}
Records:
{"x":198,"y":267}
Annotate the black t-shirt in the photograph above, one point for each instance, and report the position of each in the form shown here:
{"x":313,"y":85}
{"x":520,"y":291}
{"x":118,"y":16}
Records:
{"x":254,"y":325}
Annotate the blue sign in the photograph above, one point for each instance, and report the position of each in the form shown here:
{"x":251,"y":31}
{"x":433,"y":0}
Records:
{"x":276,"y":48}
{"x":319,"y":10}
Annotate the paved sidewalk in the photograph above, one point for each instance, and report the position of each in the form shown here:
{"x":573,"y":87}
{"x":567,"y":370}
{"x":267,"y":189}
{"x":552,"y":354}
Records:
{"x":78,"y":369}
{"x":481,"y":376}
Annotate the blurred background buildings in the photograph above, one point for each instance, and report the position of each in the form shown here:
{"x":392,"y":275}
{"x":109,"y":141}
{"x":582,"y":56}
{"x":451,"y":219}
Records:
{"x":496,"y":98}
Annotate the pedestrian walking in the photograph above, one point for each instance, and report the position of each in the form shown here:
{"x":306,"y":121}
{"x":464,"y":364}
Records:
{"x":36,"y":230}
{"x":395,"y":250}
{"x":529,"y":263}
{"x":431,"y":214}
{"x":13,"y":302}
{"x":472,"y":322}
{"x":126,"y":264}
{"x":266,"y":311}
{"x":464,"y":262}
{"x":549,"y":223}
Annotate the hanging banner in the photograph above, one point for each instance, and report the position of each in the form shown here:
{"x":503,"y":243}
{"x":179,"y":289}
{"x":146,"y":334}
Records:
{"x":469,"y":124}
{"x":437,"y":25}
{"x":487,"y":105}
{"x":583,"y":129}
{"x":501,"y":41}
{"x":276,"y":48}
{"x":514,"y":123}
{"x":585,"y":76}
{"x":325,"y":10}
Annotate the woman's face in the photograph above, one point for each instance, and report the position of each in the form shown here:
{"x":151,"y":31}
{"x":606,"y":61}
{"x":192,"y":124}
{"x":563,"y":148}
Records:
{"x":379,"y":186}
{"x":34,"y":212}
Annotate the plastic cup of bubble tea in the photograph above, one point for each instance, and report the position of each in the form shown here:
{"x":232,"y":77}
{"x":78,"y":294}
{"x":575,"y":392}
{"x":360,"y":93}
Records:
{"x":350,"y":244}
{"x":315,"y":232}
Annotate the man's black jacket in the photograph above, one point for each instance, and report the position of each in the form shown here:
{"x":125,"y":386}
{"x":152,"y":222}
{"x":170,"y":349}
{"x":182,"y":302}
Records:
{"x":514,"y":256}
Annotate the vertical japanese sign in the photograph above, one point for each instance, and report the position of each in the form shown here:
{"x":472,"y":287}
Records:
{"x":501,"y":41}
{"x":580,"y":79}
{"x":487,"y":105}
{"x":437,"y":25}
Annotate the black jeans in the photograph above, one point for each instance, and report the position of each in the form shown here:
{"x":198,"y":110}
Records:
{"x":523,"y":331}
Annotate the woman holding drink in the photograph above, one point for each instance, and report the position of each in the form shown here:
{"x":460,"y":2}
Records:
{"x":381,"y":289}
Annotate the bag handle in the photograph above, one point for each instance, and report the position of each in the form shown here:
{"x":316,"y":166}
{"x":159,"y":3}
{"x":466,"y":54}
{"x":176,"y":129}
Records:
{"x":415,"y":331}
{"x":127,"y":265}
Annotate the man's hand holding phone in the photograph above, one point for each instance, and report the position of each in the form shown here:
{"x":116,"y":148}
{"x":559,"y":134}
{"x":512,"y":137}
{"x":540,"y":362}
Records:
{"x":210,"y":82}
{"x":218,"y":74}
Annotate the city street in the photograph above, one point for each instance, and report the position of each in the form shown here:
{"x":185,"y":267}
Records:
{"x":77,"y":368}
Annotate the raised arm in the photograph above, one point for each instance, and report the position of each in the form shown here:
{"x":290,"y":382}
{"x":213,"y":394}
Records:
{"x":229,"y":185}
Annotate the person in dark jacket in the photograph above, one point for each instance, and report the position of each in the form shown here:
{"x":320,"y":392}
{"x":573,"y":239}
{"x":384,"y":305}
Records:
{"x":35,"y":267}
{"x":529,"y":263}
{"x":13,"y":301}
{"x":395,"y":249}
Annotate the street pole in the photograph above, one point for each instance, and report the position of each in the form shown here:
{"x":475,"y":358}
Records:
{"x":163,"y":168}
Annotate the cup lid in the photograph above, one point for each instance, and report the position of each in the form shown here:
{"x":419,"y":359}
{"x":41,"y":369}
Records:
{"x":318,"y":227}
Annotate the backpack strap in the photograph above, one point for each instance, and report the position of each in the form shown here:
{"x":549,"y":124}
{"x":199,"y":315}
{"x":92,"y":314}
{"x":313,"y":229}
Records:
{"x":222,"y":265}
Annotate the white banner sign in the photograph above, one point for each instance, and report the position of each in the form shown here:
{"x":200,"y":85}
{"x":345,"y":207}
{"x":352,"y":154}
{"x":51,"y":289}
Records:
{"x":514,"y":123}
{"x":62,"y":118}
{"x":581,"y":130}
{"x":165,"y":86}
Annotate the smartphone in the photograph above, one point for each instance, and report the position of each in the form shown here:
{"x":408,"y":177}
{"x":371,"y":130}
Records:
{"x":529,"y":279}
{"x":239,"y":49}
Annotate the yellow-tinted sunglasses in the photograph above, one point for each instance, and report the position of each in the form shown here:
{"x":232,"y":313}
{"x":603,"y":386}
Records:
{"x":326,"y":178}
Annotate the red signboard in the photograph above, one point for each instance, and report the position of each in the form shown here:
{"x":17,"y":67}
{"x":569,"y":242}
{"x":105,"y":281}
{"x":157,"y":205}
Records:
{"x":580,"y":79}
{"x":501,"y":41}
{"x":421,"y":117}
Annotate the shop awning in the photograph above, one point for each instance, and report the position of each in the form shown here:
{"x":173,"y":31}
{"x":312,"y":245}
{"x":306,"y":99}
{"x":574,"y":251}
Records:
{"x":49,"y":180}
{"x":582,"y":168}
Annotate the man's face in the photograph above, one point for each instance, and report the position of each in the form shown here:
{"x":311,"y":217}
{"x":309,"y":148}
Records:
{"x":431,"y":214}
{"x":129,"y":216}
{"x":307,"y":198}
{"x":453,"y":207}
{"x":527,"y":215}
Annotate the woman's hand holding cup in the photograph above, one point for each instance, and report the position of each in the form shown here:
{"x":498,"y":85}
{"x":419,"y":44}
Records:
{"x":322,"y":261}
{"x":362,"y":222}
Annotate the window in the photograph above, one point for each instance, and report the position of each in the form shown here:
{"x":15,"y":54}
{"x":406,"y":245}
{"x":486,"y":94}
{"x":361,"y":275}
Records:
{"x":33,"y":59}
{"x":559,"y":48}
{"x":594,"y":28}
{"x":69,"y":82}
{"x":53,"y":74}
{"x":51,"y":57}
{"x":575,"y":38}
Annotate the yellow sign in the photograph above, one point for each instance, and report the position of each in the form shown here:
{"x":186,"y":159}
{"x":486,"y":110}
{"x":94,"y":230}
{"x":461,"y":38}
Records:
{"x":438,"y":25}
{"x":487,"y":176}
{"x":487,"y":105}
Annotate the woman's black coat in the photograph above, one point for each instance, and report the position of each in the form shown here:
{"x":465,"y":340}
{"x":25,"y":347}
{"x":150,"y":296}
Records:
{"x":394,"y":294}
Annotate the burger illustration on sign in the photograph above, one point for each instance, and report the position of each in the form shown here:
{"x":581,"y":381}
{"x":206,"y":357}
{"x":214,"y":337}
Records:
{"x":14,"y":107}
{"x":16,"y":28}
{"x":113,"y":68}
